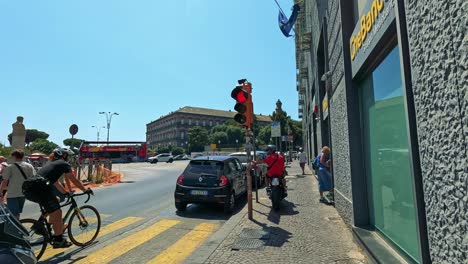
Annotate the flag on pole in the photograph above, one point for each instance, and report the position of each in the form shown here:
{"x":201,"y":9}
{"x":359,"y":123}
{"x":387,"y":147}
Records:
{"x":286,"y":24}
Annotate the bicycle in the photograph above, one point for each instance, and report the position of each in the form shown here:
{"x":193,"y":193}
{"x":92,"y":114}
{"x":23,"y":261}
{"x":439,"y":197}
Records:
{"x":40,"y":231}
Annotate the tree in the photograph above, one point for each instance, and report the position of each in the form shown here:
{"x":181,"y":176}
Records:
{"x":296,"y":130}
{"x":31,"y":136}
{"x":177,"y":151}
{"x":73,"y":143}
{"x":4,"y":151}
{"x":198,"y":138}
{"x":43,"y":145}
{"x":264,"y":136}
{"x":233,"y":133}
{"x":219,"y":137}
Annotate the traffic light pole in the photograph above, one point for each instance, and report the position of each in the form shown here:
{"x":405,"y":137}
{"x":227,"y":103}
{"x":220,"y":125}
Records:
{"x":249,"y":174}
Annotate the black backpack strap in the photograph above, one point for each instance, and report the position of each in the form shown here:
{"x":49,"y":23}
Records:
{"x":22,"y":172}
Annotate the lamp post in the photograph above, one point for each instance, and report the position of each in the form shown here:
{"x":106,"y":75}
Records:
{"x":108,"y":119}
{"x":237,"y":145}
{"x":186,"y":145}
{"x":98,"y":130}
{"x":219,"y":143}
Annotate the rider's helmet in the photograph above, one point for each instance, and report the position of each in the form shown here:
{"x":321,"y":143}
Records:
{"x":270,"y":149}
{"x":62,"y":153}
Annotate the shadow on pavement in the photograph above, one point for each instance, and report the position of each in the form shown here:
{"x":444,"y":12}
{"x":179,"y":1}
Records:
{"x":60,"y":258}
{"x":277,"y":235}
{"x":210,"y":211}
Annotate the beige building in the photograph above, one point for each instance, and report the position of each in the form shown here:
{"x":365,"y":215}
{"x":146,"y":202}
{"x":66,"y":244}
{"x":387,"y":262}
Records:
{"x":172,"y":129}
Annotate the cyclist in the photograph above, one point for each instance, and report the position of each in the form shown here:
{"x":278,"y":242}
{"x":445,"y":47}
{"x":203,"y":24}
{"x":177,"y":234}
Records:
{"x":52,"y":171}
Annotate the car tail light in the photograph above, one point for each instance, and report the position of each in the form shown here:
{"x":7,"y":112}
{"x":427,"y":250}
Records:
{"x":223,"y":181}
{"x":180,"y":180}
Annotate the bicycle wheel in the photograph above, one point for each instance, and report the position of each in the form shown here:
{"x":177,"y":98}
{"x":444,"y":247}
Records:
{"x":38,"y":236}
{"x":84,"y":225}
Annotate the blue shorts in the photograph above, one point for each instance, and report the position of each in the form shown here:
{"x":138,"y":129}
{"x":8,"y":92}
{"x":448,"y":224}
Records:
{"x":15,"y":205}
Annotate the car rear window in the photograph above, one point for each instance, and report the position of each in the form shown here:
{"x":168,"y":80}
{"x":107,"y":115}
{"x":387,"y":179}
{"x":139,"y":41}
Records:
{"x":242,"y":158}
{"x":205,"y":166}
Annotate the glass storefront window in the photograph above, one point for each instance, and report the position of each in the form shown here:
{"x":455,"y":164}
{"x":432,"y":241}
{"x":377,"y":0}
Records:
{"x":387,"y":156}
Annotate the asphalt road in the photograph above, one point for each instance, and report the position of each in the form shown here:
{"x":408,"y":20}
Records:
{"x":139,"y":221}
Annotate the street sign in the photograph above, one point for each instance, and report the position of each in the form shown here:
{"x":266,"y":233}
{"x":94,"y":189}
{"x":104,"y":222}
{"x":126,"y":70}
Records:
{"x":275,"y":129}
{"x":73,"y":129}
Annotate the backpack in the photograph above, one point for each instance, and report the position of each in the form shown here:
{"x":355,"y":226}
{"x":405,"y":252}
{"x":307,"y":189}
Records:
{"x":33,"y":188}
{"x":316,"y":164}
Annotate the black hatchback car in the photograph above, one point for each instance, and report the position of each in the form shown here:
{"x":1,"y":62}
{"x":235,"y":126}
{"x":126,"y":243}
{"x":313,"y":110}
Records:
{"x":211,"y":179}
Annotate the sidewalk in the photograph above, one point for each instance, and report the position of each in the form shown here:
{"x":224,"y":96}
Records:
{"x":303,"y":231}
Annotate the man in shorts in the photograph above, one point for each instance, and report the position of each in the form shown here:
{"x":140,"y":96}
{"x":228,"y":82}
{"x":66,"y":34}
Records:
{"x":13,"y":178}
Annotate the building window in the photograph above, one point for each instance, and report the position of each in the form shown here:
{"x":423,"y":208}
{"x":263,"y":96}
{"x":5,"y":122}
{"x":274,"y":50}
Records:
{"x":182,"y":135}
{"x":204,"y":123}
{"x":196,"y":123}
{"x":211,"y":123}
{"x":387,"y":156}
{"x":190,"y":122}
{"x":182,"y":121}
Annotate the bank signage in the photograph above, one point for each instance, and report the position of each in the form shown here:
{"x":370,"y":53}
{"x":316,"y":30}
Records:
{"x":374,"y":21}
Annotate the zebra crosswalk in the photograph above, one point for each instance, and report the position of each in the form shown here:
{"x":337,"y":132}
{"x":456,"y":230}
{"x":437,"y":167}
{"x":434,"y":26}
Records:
{"x":163,"y":241}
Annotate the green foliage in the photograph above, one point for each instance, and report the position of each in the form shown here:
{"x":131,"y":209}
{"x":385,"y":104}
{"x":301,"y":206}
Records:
{"x":264,"y":136}
{"x":43,"y":146}
{"x":177,"y":151}
{"x":73,"y":143}
{"x":151,"y":151}
{"x":219,"y":136}
{"x":31,"y":136}
{"x":5,"y":151}
{"x":164,"y":150}
{"x":288,"y":127}
{"x":296,"y":130}
{"x":198,"y":138}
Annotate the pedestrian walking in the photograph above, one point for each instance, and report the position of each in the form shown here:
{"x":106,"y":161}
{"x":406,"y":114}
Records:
{"x":13,"y":178}
{"x":324,"y":176}
{"x":302,"y":160}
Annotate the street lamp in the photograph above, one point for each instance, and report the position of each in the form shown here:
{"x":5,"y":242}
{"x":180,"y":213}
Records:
{"x":98,"y":129}
{"x":237,"y":145}
{"x":186,"y":145}
{"x":219,"y":145}
{"x":108,"y":119}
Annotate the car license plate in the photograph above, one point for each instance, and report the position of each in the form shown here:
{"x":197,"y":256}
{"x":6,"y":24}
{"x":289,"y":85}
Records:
{"x":275,"y":182}
{"x":199,"y":192}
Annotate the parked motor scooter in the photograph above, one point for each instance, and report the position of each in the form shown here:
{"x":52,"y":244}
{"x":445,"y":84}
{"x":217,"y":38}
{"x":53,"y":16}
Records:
{"x":276,"y":192}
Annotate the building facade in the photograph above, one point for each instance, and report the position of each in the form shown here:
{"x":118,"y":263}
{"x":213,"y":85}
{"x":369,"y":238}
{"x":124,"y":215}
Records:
{"x":172,"y":129}
{"x":384,"y":84}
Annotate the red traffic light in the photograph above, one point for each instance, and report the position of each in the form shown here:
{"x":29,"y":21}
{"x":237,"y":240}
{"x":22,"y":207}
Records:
{"x":239,"y":95}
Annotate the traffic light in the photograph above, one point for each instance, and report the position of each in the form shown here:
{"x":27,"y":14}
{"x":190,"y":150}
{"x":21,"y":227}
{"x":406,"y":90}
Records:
{"x":244,"y":107}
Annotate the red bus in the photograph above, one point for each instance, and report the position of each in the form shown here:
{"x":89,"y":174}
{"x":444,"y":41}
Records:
{"x":117,"y":151}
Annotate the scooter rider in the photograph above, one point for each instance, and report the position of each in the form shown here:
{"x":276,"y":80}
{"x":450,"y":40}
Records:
{"x":275,"y":163}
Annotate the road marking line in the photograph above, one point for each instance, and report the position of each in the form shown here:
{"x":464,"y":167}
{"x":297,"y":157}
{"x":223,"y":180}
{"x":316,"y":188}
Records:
{"x":50,"y":251}
{"x":126,"y":244}
{"x":185,"y":246}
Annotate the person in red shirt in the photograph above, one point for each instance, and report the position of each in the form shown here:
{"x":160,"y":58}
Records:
{"x":275,"y":164}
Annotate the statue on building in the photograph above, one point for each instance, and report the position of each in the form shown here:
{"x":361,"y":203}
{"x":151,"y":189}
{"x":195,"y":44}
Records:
{"x":279,"y":110}
{"x":19,"y":134}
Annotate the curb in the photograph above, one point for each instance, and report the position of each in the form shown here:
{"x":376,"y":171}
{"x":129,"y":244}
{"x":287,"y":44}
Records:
{"x":203,"y":253}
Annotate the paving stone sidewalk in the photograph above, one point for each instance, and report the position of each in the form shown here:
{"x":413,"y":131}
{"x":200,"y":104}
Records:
{"x":303,"y":231}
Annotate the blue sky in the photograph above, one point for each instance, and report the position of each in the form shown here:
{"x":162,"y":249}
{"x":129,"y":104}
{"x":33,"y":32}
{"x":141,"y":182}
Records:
{"x":61,"y":62}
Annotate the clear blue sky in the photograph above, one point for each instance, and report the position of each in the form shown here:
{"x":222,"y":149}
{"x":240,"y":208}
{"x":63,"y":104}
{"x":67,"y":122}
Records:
{"x":61,"y":62}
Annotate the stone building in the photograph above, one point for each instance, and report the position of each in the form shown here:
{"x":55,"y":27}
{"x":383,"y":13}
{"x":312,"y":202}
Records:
{"x":384,"y":83}
{"x":172,"y":129}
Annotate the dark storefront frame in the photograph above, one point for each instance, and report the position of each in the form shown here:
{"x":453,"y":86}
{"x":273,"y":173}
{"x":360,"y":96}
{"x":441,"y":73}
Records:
{"x":394,"y":35}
